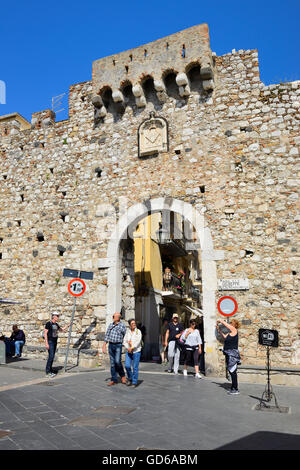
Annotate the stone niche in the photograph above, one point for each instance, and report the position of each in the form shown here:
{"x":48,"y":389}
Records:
{"x":153,"y":136}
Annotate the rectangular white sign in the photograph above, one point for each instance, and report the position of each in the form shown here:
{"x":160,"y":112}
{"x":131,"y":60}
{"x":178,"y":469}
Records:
{"x":233,"y":284}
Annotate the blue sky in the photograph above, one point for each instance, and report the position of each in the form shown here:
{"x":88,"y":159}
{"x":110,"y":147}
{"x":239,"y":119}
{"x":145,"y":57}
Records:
{"x":48,"y":46}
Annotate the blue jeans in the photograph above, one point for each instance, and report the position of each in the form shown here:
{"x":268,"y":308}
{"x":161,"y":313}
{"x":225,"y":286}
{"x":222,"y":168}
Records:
{"x":115,"y":351}
{"x":51,"y":354}
{"x":132,"y":359}
{"x":18,"y":346}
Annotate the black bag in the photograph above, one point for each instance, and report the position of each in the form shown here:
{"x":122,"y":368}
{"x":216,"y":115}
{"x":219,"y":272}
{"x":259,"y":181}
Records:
{"x":180,"y":344}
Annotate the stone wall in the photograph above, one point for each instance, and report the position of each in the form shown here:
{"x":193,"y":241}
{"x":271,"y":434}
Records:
{"x":233,"y":150}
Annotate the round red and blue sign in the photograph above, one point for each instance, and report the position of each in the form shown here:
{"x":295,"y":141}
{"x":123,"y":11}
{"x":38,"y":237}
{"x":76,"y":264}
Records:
{"x":227,"y":306}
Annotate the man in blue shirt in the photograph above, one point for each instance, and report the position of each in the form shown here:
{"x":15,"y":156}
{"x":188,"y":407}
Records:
{"x":114,"y":337}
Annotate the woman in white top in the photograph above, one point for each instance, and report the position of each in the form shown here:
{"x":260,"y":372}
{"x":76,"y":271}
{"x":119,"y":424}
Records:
{"x":193,"y":341}
{"x":133,"y":346}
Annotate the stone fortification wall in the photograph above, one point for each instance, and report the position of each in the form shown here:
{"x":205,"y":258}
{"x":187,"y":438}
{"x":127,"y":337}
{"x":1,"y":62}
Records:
{"x":233,"y":150}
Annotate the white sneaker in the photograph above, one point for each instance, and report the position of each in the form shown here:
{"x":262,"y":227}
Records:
{"x":185,"y":372}
{"x":198,"y":376}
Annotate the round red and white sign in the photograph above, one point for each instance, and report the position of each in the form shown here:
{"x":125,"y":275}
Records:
{"x":227,"y":306}
{"x":76,"y":287}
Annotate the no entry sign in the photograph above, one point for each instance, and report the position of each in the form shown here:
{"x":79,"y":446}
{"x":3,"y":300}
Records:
{"x":227,"y":306}
{"x":76,"y":287}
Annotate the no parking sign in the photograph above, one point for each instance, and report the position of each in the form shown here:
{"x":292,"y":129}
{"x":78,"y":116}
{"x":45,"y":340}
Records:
{"x":227,"y":306}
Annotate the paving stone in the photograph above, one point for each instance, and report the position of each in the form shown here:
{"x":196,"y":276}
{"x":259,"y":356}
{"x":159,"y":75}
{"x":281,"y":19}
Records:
{"x":98,"y":421}
{"x":8,"y":444}
{"x":32,"y":440}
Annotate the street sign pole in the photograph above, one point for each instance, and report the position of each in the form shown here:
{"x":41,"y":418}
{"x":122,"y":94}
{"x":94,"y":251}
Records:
{"x":76,"y":288}
{"x":70,"y":331}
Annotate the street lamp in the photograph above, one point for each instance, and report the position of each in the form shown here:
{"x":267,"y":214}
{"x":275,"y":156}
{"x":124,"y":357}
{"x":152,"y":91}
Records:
{"x":162,"y":234}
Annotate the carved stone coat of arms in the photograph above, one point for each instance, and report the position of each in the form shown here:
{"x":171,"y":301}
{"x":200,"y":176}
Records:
{"x":153,"y":136}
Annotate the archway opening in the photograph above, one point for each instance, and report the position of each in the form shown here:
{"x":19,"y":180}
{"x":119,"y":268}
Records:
{"x":119,"y":250}
{"x":167,"y":277}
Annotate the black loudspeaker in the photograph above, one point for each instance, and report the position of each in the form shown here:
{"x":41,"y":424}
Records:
{"x":268,"y":337}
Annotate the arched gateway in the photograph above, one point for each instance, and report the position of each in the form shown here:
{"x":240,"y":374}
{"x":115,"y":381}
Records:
{"x":196,"y":218}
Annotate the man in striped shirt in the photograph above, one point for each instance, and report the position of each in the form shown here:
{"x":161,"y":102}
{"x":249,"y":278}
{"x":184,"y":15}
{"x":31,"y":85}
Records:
{"x":114,"y":336}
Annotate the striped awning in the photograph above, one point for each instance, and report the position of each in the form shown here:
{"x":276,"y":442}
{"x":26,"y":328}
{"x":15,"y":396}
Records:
{"x":195,"y":311}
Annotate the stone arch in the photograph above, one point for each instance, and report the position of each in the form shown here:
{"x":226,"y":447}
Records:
{"x":192,"y":71}
{"x":147,"y":83}
{"x":128,"y":221}
{"x":169,"y":79}
{"x":116,"y":109}
{"x":126,"y":89}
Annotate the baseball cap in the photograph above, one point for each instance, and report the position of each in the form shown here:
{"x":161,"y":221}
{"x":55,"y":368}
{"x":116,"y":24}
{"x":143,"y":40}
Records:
{"x":175,"y":315}
{"x":55,"y":314}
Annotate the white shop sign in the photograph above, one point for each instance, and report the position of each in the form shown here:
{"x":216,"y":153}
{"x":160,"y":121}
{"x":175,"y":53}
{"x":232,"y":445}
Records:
{"x":233,"y":284}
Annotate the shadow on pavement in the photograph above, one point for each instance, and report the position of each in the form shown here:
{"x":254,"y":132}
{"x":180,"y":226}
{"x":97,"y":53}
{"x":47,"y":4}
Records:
{"x":11,"y":360}
{"x":264,"y":440}
{"x":56,"y":369}
{"x":225,"y":385}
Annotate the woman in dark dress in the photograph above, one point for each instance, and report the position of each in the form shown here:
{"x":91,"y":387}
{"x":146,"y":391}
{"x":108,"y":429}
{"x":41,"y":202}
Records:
{"x":231,"y":351}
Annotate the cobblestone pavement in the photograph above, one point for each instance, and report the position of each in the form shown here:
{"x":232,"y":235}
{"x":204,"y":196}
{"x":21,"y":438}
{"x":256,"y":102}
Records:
{"x":79,"y":411}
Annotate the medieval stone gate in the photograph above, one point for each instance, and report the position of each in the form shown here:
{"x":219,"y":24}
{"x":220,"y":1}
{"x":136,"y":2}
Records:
{"x":167,"y":126}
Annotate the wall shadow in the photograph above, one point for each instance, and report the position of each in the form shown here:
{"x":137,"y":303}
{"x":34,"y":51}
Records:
{"x":83,"y":342}
{"x":265,"y":440}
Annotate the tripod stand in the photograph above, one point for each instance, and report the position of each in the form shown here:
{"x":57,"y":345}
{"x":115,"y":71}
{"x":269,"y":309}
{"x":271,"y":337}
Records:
{"x":268,"y":393}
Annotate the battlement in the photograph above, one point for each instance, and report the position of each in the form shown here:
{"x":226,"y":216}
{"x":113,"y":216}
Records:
{"x":159,"y":65}
{"x":42,"y":119}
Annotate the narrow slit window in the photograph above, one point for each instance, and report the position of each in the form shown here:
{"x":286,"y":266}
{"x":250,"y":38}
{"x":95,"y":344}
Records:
{"x":183,"y":51}
{"x":249,"y":253}
{"x":61,"y":250}
{"x":40,"y":237}
{"x":98,"y":172}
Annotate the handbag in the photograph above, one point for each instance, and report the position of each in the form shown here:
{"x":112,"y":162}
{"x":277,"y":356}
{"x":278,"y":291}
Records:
{"x":180,"y":342}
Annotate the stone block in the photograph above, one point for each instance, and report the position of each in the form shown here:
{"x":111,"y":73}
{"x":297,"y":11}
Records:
{"x":100,"y":312}
{"x":98,"y":297}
